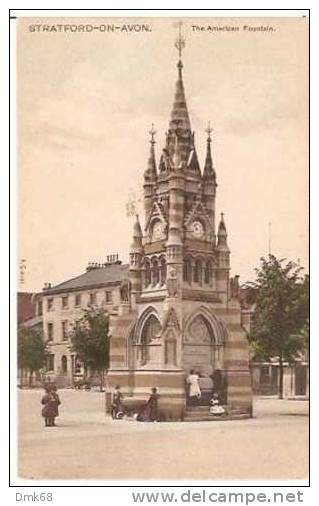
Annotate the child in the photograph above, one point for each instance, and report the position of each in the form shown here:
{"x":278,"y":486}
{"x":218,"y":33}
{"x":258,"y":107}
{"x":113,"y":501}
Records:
{"x":117,"y":403}
{"x":215,"y":408}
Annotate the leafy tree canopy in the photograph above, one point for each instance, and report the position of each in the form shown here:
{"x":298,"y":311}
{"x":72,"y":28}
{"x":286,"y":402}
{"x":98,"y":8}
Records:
{"x":281,"y":314}
{"x":32,"y":353}
{"x":89,"y":339}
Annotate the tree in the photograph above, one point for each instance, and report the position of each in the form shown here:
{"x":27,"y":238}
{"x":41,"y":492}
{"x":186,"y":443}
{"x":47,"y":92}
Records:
{"x":279,"y":328}
{"x":32,"y":354}
{"x":90,"y":341}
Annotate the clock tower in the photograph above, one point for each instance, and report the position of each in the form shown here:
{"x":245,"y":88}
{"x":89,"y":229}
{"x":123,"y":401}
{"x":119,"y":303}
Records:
{"x":181,"y":313}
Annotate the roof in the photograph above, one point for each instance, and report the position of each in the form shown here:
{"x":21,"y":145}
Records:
{"x":92,"y":278}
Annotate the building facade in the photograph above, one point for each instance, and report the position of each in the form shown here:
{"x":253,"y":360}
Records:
{"x":265,"y":375}
{"x":62,"y":305}
{"x":265,"y":378}
{"x":182,"y":312}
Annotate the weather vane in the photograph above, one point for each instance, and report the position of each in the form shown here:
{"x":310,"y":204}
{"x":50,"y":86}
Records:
{"x":180,"y":41}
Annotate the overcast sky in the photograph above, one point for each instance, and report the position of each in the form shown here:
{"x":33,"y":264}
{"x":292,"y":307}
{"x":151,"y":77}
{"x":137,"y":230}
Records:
{"x":87,"y":100}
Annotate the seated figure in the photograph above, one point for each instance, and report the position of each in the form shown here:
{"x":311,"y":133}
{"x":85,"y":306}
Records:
{"x":216,"y":409}
{"x":117,"y":404}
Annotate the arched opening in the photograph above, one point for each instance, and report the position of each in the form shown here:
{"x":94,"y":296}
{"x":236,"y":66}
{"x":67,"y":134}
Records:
{"x":64,"y":364}
{"x":198,"y":272}
{"x":155,"y":272}
{"x":199,"y":355}
{"x":208,"y":272}
{"x":162,"y":271}
{"x":147,"y":273}
{"x":187,"y":270}
{"x":150,"y":332}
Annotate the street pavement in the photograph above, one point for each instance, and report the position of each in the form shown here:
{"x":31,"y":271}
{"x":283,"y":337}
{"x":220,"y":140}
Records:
{"x":87,"y":444}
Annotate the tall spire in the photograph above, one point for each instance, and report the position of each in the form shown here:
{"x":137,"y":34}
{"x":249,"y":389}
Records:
{"x":179,"y":115}
{"x":179,"y":136}
{"x":136,"y":246}
{"x":209,"y":171}
{"x":150,"y":173}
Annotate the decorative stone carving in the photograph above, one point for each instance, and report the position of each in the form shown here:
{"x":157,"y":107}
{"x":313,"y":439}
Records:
{"x":171,"y":320}
{"x":172,"y":284}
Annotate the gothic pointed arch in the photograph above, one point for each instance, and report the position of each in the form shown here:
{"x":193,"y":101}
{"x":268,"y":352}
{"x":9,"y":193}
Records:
{"x":150,"y":331}
{"x":156,"y":214}
{"x":200,"y":318}
{"x":141,"y":321}
{"x":198,"y":212}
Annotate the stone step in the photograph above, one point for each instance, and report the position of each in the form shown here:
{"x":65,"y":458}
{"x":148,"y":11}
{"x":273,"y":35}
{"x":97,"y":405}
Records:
{"x":211,"y":418}
{"x":191,"y":409}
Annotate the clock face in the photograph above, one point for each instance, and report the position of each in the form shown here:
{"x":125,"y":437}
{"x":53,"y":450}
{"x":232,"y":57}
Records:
{"x":197,"y":229}
{"x":158,"y":230}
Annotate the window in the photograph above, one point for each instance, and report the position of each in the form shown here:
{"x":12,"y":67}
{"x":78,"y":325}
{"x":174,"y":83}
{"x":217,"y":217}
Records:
{"x":155,"y":272}
{"x":50,"y":304}
{"x":208,"y":272}
{"x":50,"y":362}
{"x":151,"y":332}
{"x":108,"y":297}
{"x":187,"y":271}
{"x":40,"y":308}
{"x":147,"y":274}
{"x":198,"y":272}
{"x":64,"y":364}
{"x":50,"y":331}
{"x":92,"y":299}
{"x":65,"y":331}
{"x":78,"y":300}
{"x":65,"y":302}
{"x":162,"y":271}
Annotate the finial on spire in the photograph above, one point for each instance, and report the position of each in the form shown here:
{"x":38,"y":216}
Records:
{"x":150,"y":174}
{"x":180,"y":41}
{"x":152,"y":133}
{"x":209,"y":130}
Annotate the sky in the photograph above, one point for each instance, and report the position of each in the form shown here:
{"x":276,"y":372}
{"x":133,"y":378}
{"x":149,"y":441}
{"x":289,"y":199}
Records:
{"x":85,"y":104}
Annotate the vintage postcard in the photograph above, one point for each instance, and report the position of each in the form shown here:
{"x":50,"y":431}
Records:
{"x":163,"y":291}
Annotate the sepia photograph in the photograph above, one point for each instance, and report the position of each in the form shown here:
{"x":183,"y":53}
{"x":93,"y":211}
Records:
{"x":162,"y":248}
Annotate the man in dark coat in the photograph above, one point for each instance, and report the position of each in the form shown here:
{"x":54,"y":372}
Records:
{"x":150,"y":411}
{"x":51,"y":403}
